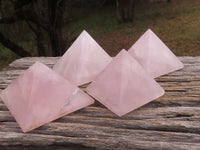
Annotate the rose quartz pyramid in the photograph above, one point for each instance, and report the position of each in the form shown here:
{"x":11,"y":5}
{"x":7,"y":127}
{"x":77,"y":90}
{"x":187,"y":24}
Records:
{"x":83,"y":60}
{"x":124,"y":85}
{"x":154,"y":55}
{"x":40,"y":95}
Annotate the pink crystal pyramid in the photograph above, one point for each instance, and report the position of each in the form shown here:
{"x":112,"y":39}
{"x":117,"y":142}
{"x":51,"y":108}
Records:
{"x":154,"y":55}
{"x":40,"y":95}
{"x":83,"y":60}
{"x":124,"y":85}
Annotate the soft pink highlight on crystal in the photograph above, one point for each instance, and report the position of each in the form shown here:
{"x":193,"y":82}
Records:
{"x":83,"y":61}
{"x":124,"y":85}
{"x":154,"y":55}
{"x":40,"y":95}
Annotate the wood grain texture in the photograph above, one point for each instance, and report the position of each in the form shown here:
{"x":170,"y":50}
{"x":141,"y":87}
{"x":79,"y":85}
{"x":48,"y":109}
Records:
{"x":170,"y":122}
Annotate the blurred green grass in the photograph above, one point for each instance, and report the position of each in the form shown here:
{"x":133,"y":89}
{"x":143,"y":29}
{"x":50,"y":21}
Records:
{"x":176,"y":23}
{"x":6,"y":56}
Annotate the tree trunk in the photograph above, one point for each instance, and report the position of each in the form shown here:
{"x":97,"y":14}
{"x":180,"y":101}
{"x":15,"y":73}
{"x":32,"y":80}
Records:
{"x":125,"y":10}
{"x":40,"y":42}
{"x":56,"y":10}
{"x":13,"y":47}
{"x":37,"y":30}
{"x":34,"y":13}
{"x":56,"y":41}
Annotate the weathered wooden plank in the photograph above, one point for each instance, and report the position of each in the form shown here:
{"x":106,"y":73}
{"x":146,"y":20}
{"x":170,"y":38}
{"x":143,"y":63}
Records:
{"x":172,"y":125}
{"x":170,"y":122}
{"x":118,"y":142}
{"x":91,"y":132}
{"x":143,"y":113}
{"x":28,"y":61}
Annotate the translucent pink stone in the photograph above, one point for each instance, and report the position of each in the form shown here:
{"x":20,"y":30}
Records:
{"x":40,"y":95}
{"x":83,"y":60}
{"x":124,"y":85}
{"x":154,"y":55}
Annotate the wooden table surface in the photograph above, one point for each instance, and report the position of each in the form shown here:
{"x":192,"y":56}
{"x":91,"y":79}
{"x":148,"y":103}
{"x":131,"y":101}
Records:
{"x":170,"y":122}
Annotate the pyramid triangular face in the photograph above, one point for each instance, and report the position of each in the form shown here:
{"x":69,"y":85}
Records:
{"x":83,"y":60}
{"x":154,"y":55}
{"x":40,"y":95}
{"x":124,"y":85}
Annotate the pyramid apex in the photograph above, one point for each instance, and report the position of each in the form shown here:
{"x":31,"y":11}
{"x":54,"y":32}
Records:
{"x":123,"y":51}
{"x":84,"y":32}
{"x":149,"y":30}
{"x":37,"y":63}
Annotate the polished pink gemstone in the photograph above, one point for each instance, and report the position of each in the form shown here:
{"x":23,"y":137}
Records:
{"x":124,"y":85}
{"x":83,"y":61}
{"x":40,"y":95}
{"x":154,"y":55}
